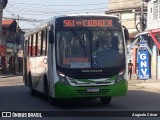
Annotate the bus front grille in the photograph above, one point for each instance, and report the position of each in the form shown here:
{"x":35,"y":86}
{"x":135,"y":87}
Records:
{"x":86,"y":93}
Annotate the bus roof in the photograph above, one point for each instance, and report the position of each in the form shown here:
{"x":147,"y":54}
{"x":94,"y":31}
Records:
{"x":86,"y":15}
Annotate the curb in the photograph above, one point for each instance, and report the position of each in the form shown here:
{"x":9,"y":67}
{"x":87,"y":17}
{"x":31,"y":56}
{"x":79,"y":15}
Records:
{"x":8,"y":76}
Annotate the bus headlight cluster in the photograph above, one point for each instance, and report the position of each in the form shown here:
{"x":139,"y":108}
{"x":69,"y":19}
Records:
{"x":120,"y":76}
{"x":63,"y":79}
{"x":66,"y":80}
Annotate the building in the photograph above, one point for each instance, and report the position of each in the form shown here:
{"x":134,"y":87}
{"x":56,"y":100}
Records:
{"x":153,"y":26}
{"x":12,"y":43}
{"x":129,"y":11}
{"x":153,"y":21}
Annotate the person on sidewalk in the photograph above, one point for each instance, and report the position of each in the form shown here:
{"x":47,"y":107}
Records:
{"x":130,"y":66}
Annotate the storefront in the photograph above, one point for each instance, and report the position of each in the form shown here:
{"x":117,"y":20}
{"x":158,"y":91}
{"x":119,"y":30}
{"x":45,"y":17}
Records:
{"x":2,"y":59}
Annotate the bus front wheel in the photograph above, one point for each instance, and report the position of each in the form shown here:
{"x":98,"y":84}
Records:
{"x":32,"y":91}
{"x":46,"y":91}
{"x":105,"y":100}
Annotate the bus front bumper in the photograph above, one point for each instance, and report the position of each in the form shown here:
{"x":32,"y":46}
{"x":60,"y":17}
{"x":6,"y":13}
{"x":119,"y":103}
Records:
{"x":66,"y":91}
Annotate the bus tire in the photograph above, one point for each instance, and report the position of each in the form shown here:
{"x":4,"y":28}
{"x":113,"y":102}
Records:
{"x":105,"y":100}
{"x":32,"y":91}
{"x":46,"y":91}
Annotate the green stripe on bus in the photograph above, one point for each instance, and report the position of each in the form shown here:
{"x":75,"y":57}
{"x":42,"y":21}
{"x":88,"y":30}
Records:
{"x":66,"y":91}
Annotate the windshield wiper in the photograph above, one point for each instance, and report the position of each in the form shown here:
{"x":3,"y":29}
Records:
{"x":76,"y":36}
{"x":81,"y":41}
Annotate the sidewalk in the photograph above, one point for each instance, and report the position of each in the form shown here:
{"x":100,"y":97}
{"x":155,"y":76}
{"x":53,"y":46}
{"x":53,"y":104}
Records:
{"x":148,"y":84}
{"x":6,"y":76}
{"x":9,"y":75}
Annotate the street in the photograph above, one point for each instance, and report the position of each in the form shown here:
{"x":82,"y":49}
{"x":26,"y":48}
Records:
{"x":16,"y":97}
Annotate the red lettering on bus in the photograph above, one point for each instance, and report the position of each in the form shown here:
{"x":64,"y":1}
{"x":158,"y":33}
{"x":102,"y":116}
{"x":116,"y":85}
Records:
{"x":90,"y":23}
{"x":104,"y":23}
{"x":100,"y":23}
{"x":71,"y":60}
{"x":94,"y":23}
{"x":110,"y":23}
{"x":69,"y":23}
{"x":85,"y":23}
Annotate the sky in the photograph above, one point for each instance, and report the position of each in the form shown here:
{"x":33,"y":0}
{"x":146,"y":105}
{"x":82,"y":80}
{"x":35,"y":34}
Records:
{"x":33,"y":12}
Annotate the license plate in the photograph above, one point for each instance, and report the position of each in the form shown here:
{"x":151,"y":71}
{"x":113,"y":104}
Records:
{"x":92,"y":90}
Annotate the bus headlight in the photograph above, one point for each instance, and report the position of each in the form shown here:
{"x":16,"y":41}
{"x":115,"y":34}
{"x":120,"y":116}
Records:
{"x":120,"y":76}
{"x":63,"y":79}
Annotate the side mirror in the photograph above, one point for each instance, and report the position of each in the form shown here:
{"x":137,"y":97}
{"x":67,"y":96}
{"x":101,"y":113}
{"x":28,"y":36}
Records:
{"x":126,"y":33}
{"x":51,"y":35}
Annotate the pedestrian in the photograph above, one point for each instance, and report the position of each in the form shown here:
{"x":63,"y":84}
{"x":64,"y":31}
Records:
{"x":130,"y":66}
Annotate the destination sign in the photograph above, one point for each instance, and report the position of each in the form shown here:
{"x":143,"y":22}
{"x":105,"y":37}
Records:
{"x":88,"y":23}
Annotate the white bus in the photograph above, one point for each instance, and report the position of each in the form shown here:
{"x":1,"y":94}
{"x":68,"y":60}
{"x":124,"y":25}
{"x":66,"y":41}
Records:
{"x":77,"y":56}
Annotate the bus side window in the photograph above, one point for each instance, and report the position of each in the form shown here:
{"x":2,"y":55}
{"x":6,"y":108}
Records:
{"x":46,"y":39}
{"x":39,"y":44}
{"x":34,"y":45}
{"x":44,"y":42}
{"x":30,"y":45}
{"x":28,"y":50}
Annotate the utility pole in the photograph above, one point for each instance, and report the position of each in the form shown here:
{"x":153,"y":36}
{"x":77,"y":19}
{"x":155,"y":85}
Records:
{"x":142,"y":16}
{"x":3,"y":4}
{"x":1,"y":12}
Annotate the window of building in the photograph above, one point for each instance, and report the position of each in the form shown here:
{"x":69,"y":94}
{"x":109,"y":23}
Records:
{"x":159,"y":8}
{"x":155,"y":10}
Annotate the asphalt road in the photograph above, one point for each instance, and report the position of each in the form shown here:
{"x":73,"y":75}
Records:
{"x":14,"y":96}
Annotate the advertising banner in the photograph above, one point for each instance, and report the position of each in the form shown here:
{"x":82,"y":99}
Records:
{"x":143,"y":65}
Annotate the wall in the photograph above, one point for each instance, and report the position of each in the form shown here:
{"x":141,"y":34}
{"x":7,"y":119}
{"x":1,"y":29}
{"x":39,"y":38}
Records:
{"x":123,"y":4}
{"x":129,"y":20}
{"x":158,"y":72}
{"x":154,"y":63}
{"x":153,"y":19}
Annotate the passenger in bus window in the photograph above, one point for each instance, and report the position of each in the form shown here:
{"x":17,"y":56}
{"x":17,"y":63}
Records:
{"x":67,"y":48}
{"x":75,"y":48}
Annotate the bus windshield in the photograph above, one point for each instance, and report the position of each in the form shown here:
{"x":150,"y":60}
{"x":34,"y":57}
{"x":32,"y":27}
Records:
{"x":90,"y":48}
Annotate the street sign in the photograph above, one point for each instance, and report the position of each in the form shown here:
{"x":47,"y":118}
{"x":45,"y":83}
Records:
{"x":143,"y":65}
{"x":142,"y":44}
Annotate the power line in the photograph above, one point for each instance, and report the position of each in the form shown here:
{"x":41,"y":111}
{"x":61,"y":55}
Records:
{"x":70,"y":4}
{"x":57,"y":5}
{"x":22,"y":18}
{"x":60,"y":10}
{"x":45,"y":9}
